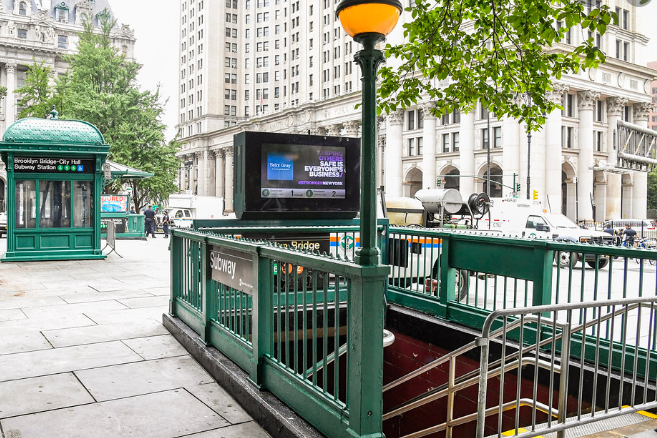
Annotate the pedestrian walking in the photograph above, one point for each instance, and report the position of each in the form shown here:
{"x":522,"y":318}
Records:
{"x":165,"y":224}
{"x":150,"y":221}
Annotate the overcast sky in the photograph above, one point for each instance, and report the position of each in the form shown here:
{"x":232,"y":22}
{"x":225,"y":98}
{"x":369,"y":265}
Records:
{"x":156,"y":28}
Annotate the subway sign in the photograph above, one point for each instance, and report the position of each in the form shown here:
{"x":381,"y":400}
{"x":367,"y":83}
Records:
{"x":54,"y":165}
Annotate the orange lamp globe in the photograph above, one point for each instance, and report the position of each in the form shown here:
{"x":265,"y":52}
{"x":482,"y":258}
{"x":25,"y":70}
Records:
{"x":374,"y":16}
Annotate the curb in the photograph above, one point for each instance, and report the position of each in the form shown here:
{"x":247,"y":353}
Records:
{"x":268,"y":411}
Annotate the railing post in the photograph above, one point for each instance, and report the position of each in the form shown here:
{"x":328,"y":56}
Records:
{"x":483,"y":342}
{"x":174,"y":272}
{"x":206,"y":298}
{"x":263,"y":310}
{"x":542,"y":294}
{"x":447,"y":277}
{"x":563,"y":378}
{"x":365,"y":354}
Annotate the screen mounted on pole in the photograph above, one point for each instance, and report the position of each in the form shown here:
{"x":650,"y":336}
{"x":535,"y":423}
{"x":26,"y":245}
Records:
{"x":296,"y":176}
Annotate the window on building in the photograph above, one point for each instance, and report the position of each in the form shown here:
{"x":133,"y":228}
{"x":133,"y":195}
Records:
{"x":483,"y":112}
{"x":410,"y":117}
{"x":599,"y":111}
{"x":22,"y":8}
{"x":597,"y":139}
{"x":420,"y":119}
{"x":22,"y":33}
{"x":569,"y":105}
{"x":484,"y":138}
{"x":456,"y":116}
{"x":445,"y":142}
{"x":420,"y":145}
{"x":411,"y":147}
{"x":497,"y":137}
{"x":456,"y":141}
{"x":445,"y":118}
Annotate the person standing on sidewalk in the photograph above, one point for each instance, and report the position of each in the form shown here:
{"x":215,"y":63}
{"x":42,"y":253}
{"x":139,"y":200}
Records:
{"x":165,"y":225}
{"x":150,"y":221}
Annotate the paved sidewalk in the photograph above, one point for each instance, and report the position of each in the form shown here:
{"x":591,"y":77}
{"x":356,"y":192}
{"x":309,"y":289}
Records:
{"x":83,"y":353}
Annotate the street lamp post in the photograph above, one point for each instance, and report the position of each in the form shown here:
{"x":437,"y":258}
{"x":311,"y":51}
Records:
{"x":368,"y":22}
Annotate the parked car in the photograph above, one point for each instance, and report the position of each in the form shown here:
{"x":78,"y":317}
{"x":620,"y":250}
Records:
{"x":3,"y":223}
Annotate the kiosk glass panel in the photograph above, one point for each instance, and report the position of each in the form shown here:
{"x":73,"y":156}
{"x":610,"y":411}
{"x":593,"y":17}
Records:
{"x":83,"y":199}
{"x":26,"y":204}
{"x":54,"y":204}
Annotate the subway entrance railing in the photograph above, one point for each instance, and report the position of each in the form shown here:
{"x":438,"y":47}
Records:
{"x":308,"y":329}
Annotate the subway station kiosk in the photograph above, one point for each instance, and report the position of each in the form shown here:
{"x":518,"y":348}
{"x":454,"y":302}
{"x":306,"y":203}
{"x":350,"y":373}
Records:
{"x":54,"y":182}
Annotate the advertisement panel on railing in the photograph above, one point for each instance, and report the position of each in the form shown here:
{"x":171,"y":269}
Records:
{"x":233,"y":268}
{"x":114,"y":203}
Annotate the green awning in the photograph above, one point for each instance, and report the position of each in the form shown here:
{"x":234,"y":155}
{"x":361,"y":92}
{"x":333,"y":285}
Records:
{"x":121,"y":171}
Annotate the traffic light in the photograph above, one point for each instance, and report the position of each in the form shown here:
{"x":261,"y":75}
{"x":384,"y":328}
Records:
{"x":517,"y":187}
{"x":535,"y":195}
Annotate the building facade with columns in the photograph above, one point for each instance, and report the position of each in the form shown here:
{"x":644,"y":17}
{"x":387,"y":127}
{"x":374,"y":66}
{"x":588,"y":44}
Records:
{"x":43,"y":30}
{"x":311,"y":86}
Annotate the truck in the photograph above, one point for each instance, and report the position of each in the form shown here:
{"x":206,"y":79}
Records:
{"x":183,"y":208}
{"x":530,"y":219}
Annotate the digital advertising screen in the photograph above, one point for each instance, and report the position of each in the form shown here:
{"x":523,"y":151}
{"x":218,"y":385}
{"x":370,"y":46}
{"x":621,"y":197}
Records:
{"x":292,"y":176}
{"x":303,"y":171}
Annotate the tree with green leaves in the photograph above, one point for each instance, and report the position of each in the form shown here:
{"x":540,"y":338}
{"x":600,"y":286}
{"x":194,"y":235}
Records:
{"x":100,"y":87}
{"x":652,"y":190}
{"x":35,"y":97}
{"x":499,"y":53}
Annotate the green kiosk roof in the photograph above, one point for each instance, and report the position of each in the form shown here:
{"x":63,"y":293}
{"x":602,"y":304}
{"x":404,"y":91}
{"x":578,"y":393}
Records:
{"x":53,"y":131}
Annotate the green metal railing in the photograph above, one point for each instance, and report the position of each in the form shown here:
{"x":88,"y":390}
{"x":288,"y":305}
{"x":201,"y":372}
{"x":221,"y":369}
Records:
{"x":311,"y":332}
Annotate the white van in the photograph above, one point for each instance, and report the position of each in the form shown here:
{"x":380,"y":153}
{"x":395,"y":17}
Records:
{"x":530,"y":219}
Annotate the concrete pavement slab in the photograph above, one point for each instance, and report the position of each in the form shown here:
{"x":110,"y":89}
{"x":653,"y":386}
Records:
{"x":71,"y":309}
{"x":158,"y":290}
{"x":37,"y":394}
{"x":19,"y":341}
{"x":20,"y":302}
{"x":136,"y":303}
{"x":166,"y":414}
{"x":106,"y":285}
{"x":156,"y":347}
{"x":220,"y":401}
{"x":11,"y":314}
{"x":250,"y":430}
{"x":103,"y":333}
{"x":144,"y":377}
{"x":127,"y":316}
{"x":103,"y":296}
{"x":49,"y":322}
{"x":60,"y":360}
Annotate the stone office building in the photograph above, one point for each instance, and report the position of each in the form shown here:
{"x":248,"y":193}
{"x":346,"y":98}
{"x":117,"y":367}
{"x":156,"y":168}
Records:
{"x":43,"y":30}
{"x":288,"y":68}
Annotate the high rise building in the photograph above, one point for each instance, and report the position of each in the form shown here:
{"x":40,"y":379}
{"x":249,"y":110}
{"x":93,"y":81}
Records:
{"x":281,"y":66}
{"x":43,"y":30}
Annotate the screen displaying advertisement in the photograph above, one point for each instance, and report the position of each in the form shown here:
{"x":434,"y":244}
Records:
{"x":296,"y":176}
{"x":303,"y":171}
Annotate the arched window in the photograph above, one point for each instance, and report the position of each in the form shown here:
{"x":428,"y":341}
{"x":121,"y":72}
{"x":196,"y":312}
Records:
{"x":22,"y":8}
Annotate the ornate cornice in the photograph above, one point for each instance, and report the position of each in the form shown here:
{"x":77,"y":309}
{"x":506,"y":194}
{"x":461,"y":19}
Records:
{"x":318,"y":130}
{"x":351,"y":127}
{"x":396,"y":117}
{"x":335,"y":129}
{"x":228,"y":151}
{"x":10,"y":66}
{"x":615,"y":105}
{"x":556,"y":95}
{"x":426,"y":108}
{"x":642,"y":111}
{"x":587,"y":99}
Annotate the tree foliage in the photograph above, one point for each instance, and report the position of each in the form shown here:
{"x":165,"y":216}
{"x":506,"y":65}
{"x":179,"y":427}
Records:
{"x":35,"y":97}
{"x":652,"y":190}
{"x":500,"y":53}
{"x":100,"y":87}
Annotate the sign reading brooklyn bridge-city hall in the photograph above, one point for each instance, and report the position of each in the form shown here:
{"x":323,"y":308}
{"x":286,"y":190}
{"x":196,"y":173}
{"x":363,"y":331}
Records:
{"x":53,"y":165}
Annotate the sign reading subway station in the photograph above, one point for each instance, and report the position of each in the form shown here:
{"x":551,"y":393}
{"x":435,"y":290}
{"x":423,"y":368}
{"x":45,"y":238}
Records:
{"x":232,"y":268}
{"x":53,"y":165}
